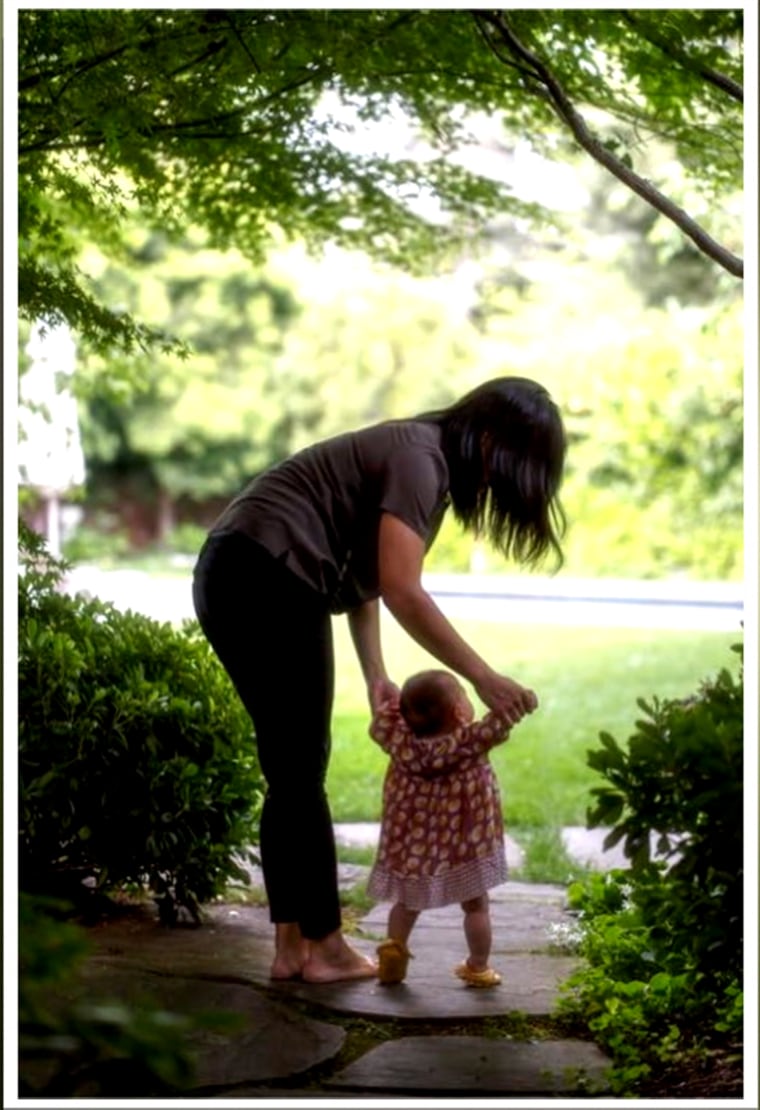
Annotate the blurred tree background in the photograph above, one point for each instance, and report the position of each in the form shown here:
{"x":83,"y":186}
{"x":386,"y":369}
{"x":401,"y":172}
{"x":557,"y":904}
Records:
{"x":265,"y":227}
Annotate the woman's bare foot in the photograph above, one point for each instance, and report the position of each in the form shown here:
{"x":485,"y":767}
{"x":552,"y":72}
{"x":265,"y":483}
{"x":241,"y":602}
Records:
{"x":283,"y":968}
{"x":291,"y":952}
{"x":333,"y":960}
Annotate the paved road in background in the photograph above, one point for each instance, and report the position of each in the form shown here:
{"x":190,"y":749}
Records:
{"x":621,"y":603}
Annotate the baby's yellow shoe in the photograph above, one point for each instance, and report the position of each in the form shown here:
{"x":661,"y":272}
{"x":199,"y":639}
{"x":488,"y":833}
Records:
{"x":393,"y":957}
{"x":486,"y":978}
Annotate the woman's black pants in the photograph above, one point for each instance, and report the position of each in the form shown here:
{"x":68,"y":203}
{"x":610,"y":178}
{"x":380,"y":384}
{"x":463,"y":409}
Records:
{"x":273,"y":635}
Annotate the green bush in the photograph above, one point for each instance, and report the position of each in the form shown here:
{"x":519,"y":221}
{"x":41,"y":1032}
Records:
{"x":679,"y":784}
{"x":137,"y":759}
{"x":661,"y":985}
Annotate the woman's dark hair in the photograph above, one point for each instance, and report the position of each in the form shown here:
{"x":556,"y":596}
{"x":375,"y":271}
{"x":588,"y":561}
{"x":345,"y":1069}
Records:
{"x":505,"y":448}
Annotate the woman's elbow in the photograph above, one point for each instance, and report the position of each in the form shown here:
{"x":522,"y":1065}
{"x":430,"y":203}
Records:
{"x":401,"y":598}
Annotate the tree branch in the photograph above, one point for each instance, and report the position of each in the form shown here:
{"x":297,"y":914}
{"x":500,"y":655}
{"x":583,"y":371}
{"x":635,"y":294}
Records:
{"x":211,"y":50}
{"x":33,"y":79}
{"x":228,"y":16}
{"x":71,"y":73}
{"x":719,"y":80}
{"x":551,"y":88}
{"x":93,"y":140}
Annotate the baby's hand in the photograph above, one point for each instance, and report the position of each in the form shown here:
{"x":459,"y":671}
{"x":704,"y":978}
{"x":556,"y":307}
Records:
{"x":382,"y":692}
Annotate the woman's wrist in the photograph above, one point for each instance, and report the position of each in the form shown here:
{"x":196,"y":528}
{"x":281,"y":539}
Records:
{"x":480,"y":675}
{"x":375,"y":672}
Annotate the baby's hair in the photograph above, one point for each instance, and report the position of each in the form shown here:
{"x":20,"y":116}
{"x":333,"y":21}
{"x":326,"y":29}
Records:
{"x":426,"y":701}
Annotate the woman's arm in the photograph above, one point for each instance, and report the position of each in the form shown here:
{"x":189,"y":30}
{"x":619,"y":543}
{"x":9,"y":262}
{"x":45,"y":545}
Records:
{"x":401,"y":554}
{"x":364,"y":624}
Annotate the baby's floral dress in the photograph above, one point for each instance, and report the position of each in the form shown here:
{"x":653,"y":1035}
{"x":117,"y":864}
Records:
{"x":442,"y":831}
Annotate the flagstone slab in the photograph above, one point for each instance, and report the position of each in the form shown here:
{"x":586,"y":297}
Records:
{"x":264,"y":1041}
{"x":530,"y":985}
{"x":458,"y":1065}
{"x":235,"y":945}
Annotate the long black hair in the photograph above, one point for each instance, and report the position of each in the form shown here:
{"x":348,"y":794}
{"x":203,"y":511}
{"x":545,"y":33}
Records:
{"x":505,"y":448}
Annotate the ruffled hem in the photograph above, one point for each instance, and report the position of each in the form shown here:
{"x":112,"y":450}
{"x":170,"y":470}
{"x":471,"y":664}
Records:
{"x":427,"y":892}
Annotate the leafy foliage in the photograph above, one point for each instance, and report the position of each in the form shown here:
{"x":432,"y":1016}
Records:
{"x":247,"y":129}
{"x":652,"y":1022}
{"x":235,"y":120}
{"x":136,"y":757}
{"x":680,"y":782}
{"x":663,"y":940}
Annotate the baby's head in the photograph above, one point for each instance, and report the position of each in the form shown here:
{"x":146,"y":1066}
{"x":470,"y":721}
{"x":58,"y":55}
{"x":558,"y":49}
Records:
{"x":433,"y":702}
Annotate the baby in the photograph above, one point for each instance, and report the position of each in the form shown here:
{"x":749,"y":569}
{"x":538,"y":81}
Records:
{"x":442,"y":831}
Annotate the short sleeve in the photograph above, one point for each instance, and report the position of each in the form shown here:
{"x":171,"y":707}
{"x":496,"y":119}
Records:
{"x":414,"y":486}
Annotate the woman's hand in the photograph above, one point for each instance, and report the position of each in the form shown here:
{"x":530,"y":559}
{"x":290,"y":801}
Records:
{"x":400,"y":555}
{"x":506,"y":697}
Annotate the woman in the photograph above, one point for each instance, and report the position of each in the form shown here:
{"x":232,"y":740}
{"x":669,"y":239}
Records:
{"x":336,"y":528}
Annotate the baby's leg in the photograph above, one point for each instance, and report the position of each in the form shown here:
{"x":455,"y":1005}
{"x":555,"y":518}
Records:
{"x":401,"y":922}
{"x":393,"y":954}
{"x":477,"y":931}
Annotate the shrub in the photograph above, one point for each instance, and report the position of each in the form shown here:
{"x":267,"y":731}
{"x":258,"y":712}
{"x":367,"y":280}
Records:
{"x":679,"y":784}
{"x":137,"y":760}
{"x":662,"y":940}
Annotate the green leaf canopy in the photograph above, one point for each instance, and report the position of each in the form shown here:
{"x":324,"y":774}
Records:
{"x":236,"y":120}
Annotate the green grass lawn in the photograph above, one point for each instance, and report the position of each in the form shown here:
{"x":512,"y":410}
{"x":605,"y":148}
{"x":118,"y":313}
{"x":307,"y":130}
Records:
{"x":586,"y":679}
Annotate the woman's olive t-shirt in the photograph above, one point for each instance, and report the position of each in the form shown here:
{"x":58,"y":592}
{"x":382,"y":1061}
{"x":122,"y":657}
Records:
{"x":319,"y":511}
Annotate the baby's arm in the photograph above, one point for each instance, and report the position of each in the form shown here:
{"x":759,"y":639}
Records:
{"x":385,"y":723}
{"x":442,"y":753}
{"x":492,"y":729}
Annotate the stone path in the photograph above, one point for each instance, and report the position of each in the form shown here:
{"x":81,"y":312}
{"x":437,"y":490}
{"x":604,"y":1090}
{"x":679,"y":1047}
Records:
{"x":428,"y":1036}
